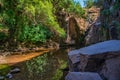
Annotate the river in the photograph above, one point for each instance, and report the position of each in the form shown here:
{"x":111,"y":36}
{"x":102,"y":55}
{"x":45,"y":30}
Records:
{"x":49,"y":66}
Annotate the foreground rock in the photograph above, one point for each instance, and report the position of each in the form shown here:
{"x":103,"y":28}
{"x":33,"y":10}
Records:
{"x":103,"y":58}
{"x":82,"y":76}
{"x":96,"y":53}
{"x":111,"y":69}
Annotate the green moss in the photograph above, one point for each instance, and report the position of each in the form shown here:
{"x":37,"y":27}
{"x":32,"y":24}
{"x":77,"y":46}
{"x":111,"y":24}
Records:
{"x":4,"y":69}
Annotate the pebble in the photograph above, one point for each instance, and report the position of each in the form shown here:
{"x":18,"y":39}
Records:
{"x":9,"y":75}
{"x":1,"y":77}
{"x":15,"y":70}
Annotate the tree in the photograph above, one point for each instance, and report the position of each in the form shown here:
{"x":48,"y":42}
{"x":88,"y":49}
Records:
{"x":70,"y":6}
{"x":21,"y":13}
{"x":89,"y":3}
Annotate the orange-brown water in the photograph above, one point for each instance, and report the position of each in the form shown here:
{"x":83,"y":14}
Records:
{"x":14,"y":59}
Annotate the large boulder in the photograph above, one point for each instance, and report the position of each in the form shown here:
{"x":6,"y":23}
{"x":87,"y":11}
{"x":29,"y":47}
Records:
{"x":96,"y":58}
{"x":82,"y":76}
{"x":91,"y":58}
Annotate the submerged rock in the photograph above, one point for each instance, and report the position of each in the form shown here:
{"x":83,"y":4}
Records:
{"x":2,"y":77}
{"x":9,"y":75}
{"x":15,"y":70}
{"x":82,"y":76}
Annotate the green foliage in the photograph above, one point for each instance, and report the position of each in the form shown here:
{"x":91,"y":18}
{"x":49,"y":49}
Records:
{"x":34,"y":34}
{"x":89,"y":3}
{"x":106,"y":12}
{"x":59,"y":72}
{"x":1,"y":27}
{"x":76,"y":9}
{"x":98,"y":3}
{"x":37,"y":65}
{"x":69,"y":6}
{"x":42,"y":12}
{"x":23,"y":18}
{"x":117,"y":25}
{"x":3,"y":36}
{"x":115,"y":7}
{"x":58,"y":75}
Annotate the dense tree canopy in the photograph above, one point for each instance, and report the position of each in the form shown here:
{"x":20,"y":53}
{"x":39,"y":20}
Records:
{"x":34,"y":20}
{"x":91,"y":3}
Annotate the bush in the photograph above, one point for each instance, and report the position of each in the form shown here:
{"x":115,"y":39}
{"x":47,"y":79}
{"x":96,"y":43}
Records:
{"x":43,"y":12}
{"x":34,"y":34}
{"x":89,"y":3}
{"x":106,"y":12}
{"x":3,"y":36}
{"x":76,"y":9}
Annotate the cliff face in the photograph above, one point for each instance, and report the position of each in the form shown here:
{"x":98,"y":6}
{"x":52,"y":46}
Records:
{"x":110,"y":18}
{"x":101,"y":24}
{"x":81,"y":30}
{"x":93,"y":33}
{"x":74,"y":26}
{"x":106,"y":25}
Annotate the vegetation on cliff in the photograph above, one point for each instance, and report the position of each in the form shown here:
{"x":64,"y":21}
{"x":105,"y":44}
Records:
{"x":37,"y":21}
{"x":110,"y":18}
{"x":33,"y":21}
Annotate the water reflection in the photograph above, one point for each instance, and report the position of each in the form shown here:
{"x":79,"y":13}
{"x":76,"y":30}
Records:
{"x":46,"y":67}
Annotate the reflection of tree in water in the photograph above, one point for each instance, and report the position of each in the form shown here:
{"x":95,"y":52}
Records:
{"x":37,"y":67}
{"x":58,"y":72}
{"x":46,"y":67}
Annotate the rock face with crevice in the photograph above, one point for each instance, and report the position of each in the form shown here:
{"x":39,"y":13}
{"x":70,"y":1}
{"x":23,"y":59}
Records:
{"x":76,"y":28}
{"x":95,"y":32}
{"x":102,"y":58}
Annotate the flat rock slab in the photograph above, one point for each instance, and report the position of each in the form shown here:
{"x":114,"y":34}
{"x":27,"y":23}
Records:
{"x":82,"y":76}
{"x":99,"y":48}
